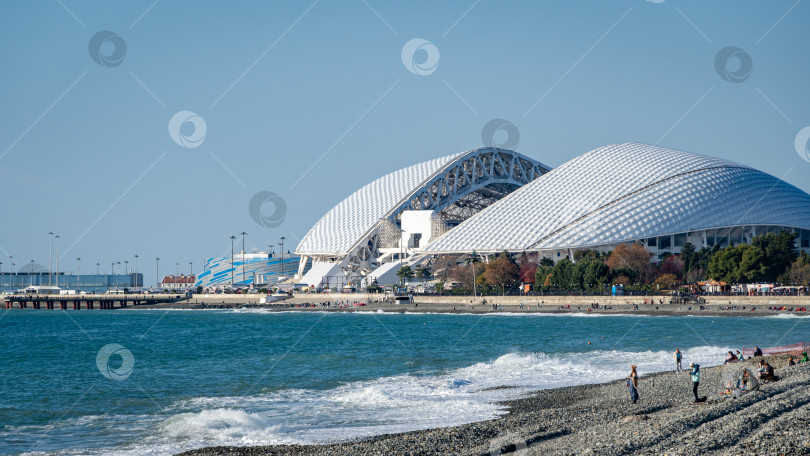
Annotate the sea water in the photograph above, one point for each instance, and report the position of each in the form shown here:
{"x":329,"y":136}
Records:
{"x":143,"y":382}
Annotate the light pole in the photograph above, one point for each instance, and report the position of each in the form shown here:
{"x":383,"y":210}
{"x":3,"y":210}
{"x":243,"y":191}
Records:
{"x":232,"y":266}
{"x":78,"y":272}
{"x":157,"y":272}
{"x":32,"y":273}
{"x":11,"y":261}
{"x":126,"y":266}
{"x":97,"y":266}
{"x":402,"y":277}
{"x":1,"y":277}
{"x":136,"y":272}
{"x":57,"y":260}
{"x":282,"y":255}
{"x":190,"y":268}
{"x":243,"y":256}
{"x":50,"y":256}
{"x":177,"y":269}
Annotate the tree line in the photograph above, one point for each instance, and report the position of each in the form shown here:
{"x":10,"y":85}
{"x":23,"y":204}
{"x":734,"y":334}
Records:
{"x":771,"y":257}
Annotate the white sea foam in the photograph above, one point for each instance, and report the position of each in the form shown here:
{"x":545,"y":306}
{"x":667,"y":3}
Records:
{"x":394,"y":404}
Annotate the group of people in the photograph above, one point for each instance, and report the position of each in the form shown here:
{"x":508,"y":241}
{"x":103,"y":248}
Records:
{"x":748,"y":380}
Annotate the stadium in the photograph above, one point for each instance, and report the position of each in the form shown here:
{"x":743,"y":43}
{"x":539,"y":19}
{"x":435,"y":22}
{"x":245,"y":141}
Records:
{"x":494,"y":200}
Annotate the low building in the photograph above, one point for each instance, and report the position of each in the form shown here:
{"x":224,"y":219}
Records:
{"x":181,"y":282}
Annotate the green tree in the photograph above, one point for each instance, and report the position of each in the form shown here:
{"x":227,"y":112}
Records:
{"x":799,"y":272}
{"x":687,"y":251}
{"x":779,"y":252}
{"x":422,"y":273}
{"x":563,"y":274}
{"x":546,"y":262}
{"x":541,"y":276}
{"x":405,"y":273}
{"x":596,"y":274}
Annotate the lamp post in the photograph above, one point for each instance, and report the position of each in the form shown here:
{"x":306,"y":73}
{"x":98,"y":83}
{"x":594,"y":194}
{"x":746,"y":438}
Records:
{"x":232,"y":266}
{"x":157,"y":272}
{"x":32,"y":273}
{"x":472,"y":259}
{"x":78,"y":272}
{"x":1,"y":277}
{"x":136,"y":272}
{"x":282,"y":255}
{"x":126,"y":266}
{"x":97,"y":266}
{"x":57,"y":260}
{"x":243,"y":256}
{"x":401,"y":254}
{"x":50,"y":256}
{"x":11,"y":271}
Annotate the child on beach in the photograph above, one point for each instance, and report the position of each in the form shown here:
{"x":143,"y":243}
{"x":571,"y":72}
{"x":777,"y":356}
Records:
{"x":677,"y":360}
{"x":632,"y":383}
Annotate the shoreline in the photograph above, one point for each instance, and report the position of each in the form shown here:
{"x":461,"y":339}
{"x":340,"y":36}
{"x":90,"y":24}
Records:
{"x":600,"y":419}
{"x":581,"y":307}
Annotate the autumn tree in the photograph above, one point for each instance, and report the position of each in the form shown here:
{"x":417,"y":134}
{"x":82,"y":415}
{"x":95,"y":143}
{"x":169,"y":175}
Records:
{"x":502,"y":272}
{"x":634,"y":258}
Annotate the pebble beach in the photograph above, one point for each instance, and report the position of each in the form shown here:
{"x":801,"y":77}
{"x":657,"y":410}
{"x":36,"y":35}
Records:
{"x":600,"y":419}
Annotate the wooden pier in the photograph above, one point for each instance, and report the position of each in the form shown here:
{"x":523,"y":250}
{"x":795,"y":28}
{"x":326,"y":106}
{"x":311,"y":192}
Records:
{"x":89,"y":301}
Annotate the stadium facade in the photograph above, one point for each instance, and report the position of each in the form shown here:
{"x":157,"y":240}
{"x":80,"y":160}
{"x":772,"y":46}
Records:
{"x":394,"y":217}
{"x":624,"y":193}
{"x":246,"y":270}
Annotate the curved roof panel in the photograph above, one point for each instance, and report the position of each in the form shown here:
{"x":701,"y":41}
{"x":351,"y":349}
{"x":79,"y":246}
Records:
{"x":344,"y":224}
{"x":625,"y":192}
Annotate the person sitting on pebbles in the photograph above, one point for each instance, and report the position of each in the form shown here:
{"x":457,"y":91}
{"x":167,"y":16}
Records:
{"x":730,"y":358}
{"x":748,"y":381}
{"x":804,"y":358}
{"x":790,"y":361}
{"x":766,"y":372}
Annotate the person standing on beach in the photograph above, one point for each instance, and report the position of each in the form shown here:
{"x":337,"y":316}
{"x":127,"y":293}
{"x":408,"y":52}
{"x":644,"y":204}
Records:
{"x":678,"y":357}
{"x":632,"y":384}
{"x":695,"y":373}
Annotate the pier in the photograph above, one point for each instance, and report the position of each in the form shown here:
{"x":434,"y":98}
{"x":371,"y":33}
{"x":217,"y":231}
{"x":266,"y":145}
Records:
{"x":89,"y":301}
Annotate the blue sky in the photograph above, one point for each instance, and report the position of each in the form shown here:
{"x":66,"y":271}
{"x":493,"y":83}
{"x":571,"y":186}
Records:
{"x":310,"y":101}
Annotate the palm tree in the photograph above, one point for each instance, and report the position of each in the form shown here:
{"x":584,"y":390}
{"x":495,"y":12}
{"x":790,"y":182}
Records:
{"x":472,"y":259}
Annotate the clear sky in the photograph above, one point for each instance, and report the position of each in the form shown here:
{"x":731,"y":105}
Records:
{"x":311,"y":100}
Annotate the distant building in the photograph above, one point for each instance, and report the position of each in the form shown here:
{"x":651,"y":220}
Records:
{"x":248,"y":269}
{"x":90,"y":283}
{"x":181,"y":282}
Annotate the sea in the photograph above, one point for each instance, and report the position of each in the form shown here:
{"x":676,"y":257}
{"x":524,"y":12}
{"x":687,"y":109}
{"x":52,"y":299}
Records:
{"x":158,"y":382}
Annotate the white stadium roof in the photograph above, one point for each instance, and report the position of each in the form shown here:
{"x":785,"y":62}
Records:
{"x":431,"y":185}
{"x":626,"y":192}
{"x":344,"y":224}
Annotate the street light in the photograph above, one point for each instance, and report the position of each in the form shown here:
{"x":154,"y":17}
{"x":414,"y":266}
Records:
{"x":243,"y":256}
{"x":32,"y":273}
{"x":50,"y":256}
{"x":136,"y":272}
{"x":402,"y":276}
{"x":232,"y":266}
{"x":282,"y":255}
{"x":78,"y":272}
{"x":97,"y":266}
{"x":157,"y":272}
{"x":57,"y":260}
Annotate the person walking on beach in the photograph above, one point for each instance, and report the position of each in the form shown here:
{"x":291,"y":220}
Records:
{"x":632,"y":384}
{"x":695,"y":373}
{"x":678,"y":357}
